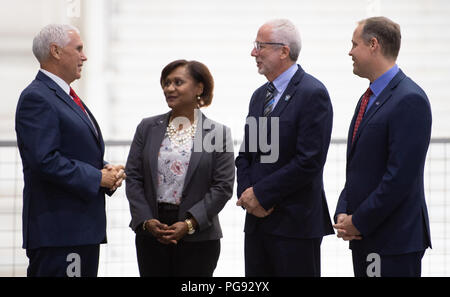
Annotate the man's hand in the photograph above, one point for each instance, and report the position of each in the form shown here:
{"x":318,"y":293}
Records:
{"x":345,"y":228}
{"x":108,"y":178}
{"x":119,"y":174}
{"x":249,"y":201}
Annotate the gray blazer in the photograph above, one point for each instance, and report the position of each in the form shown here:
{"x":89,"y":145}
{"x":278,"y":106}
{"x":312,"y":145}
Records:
{"x":209,"y":179}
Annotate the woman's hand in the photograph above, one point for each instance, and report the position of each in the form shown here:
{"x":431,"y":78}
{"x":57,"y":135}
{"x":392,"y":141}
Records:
{"x":179,"y":230}
{"x":158,"y":230}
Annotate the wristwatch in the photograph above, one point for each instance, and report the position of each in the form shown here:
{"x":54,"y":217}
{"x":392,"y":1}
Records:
{"x":191,"y":229}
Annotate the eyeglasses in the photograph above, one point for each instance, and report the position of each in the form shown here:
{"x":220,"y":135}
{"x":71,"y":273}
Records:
{"x":257,"y":44}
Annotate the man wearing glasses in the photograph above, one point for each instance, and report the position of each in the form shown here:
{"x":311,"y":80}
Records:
{"x":287,"y":213}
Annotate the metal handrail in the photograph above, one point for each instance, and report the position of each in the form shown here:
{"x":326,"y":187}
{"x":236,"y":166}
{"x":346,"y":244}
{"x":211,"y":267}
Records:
{"x":9,"y":143}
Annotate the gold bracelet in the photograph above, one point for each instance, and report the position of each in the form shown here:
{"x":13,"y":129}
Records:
{"x":191,"y":229}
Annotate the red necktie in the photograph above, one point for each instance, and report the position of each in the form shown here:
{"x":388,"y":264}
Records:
{"x":362,"y":109}
{"x":76,"y":99}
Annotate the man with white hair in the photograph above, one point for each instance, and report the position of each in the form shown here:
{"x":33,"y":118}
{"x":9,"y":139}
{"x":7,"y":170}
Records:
{"x":65,"y":176}
{"x":287,"y":213}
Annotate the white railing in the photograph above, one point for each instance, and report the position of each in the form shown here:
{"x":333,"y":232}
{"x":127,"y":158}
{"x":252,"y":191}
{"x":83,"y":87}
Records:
{"x":118,"y":257}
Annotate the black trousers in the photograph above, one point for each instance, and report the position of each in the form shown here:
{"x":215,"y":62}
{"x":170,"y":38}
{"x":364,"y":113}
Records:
{"x":404,"y":265}
{"x":183,"y":259}
{"x":64,"y":261}
{"x":269,"y":255}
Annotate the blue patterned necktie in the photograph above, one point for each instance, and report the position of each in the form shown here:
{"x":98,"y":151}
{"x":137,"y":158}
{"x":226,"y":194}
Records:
{"x":268,"y":102}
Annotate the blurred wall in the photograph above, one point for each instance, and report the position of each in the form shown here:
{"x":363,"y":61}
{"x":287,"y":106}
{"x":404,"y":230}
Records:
{"x":129,"y":42}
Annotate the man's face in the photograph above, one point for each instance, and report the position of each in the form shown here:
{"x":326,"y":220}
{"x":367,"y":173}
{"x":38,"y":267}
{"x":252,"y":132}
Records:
{"x":361,"y":54}
{"x":72,"y":58}
{"x":268,"y":56}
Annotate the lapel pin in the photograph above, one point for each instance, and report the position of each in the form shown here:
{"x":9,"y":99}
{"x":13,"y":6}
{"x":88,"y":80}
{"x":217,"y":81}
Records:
{"x":377,"y":103}
{"x":287,"y":97}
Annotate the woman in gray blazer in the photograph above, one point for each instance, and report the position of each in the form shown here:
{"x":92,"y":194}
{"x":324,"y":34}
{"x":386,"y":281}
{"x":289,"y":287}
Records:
{"x":180,"y":175}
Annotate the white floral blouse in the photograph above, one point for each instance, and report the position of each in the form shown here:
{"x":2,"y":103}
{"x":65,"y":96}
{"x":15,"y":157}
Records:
{"x":173,"y":162}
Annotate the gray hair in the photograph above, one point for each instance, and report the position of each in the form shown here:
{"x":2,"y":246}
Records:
{"x":53,"y":33}
{"x":284,"y":31}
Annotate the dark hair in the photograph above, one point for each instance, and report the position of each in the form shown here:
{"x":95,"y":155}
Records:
{"x":385,"y":31}
{"x":199,"y":72}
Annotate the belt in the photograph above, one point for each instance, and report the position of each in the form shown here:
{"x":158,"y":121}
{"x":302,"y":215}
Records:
{"x":168,"y":207}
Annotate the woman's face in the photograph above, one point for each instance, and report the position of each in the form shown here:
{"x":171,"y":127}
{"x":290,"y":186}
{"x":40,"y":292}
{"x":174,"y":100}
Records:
{"x":181,"y":90}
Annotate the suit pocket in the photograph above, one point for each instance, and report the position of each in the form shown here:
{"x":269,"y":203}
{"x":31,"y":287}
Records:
{"x":374,"y":135}
{"x":375,"y":125}
{"x":375,"y":128}
{"x":287,"y":129}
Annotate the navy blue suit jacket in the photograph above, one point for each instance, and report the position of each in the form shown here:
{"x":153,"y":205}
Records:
{"x":384,"y":187}
{"x":63,"y":204}
{"x":293,"y":185}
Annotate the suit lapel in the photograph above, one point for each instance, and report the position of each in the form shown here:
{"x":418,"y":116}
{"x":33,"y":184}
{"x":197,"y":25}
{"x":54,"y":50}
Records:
{"x":68,"y":100}
{"x":155,"y":137}
{"x":98,"y":135}
{"x":379,"y":102}
{"x":350,"y":130}
{"x":288,"y":94}
{"x":197,"y":148}
{"x":284,"y":100}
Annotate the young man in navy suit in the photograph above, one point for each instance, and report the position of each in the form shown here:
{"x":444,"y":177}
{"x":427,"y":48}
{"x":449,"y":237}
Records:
{"x":282,"y":188}
{"x":382,"y":209}
{"x":65,"y":176}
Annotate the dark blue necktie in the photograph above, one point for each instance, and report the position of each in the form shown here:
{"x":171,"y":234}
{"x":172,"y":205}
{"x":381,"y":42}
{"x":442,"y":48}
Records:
{"x":268,"y":102}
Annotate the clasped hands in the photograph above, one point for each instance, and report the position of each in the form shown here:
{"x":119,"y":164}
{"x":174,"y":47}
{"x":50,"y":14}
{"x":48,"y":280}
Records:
{"x":251,"y":204}
{"x":166,"y":234}
{"x":345,"y":228}
{"x":112,"y":176}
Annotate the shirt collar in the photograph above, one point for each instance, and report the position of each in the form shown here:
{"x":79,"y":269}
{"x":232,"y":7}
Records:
{"x":282,"y":81}
{"x":380,"y":83}
{"x":59,"y":81}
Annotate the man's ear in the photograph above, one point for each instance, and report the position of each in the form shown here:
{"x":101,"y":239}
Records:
{"x":374,"y":44}
{"x":285,"y":50}
{"x":55,"y":51}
